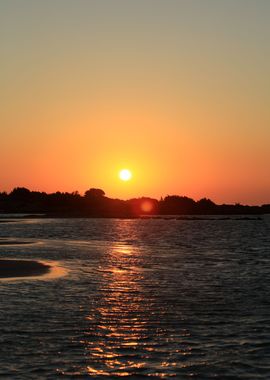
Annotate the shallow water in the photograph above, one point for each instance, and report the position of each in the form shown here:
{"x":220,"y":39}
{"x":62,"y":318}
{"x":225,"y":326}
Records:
{"x":142,"y":298}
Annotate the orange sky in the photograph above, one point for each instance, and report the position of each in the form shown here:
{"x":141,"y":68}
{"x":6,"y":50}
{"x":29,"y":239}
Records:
{"x":176,"y":91}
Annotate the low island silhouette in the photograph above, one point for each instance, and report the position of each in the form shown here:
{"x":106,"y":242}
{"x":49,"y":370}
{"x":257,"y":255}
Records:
{"x":94,"y":203}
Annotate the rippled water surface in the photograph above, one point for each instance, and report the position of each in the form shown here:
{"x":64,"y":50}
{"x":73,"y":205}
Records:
{"x":142,"y":299}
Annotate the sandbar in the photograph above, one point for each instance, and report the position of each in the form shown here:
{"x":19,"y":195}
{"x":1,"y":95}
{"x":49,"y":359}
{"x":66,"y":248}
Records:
{"x":14,"y":242}
{"x":22,"y":268}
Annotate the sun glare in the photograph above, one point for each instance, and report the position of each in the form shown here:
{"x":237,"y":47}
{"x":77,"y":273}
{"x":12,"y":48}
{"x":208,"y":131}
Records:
{"x":125,"y":175}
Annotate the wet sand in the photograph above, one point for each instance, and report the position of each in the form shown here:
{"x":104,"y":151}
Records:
{"x":14,"y":242}
{"x":22,"y":268}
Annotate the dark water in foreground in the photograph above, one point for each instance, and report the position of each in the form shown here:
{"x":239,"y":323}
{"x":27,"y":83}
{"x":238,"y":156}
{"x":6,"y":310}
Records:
{"x":143,"y":299}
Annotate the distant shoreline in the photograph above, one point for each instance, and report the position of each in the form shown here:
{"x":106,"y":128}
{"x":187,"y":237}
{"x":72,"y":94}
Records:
{"x":7,"y":218}
{"x":95,"y":204}
{"x":22,"y":268}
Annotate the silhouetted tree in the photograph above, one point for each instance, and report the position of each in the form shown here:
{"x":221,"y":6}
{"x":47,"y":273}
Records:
{"x":174,"y":204}
{"x":205,"y":205}
{"x":94,"y":203}
{"x":94,"y":193}
{"x":20,"y":193}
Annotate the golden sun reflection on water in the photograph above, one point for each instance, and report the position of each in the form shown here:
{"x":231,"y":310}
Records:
{"x":120,"y":329}
{"x":125,"y":335}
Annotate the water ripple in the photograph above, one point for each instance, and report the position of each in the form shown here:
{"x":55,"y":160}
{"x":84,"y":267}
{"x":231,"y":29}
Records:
{"x":143,"y":299}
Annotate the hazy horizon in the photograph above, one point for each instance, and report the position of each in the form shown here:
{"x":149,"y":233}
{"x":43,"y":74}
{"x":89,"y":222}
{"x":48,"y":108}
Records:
{"x":138,"y":196}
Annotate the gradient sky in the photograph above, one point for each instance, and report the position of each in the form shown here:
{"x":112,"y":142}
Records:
{"x":177,"y":91}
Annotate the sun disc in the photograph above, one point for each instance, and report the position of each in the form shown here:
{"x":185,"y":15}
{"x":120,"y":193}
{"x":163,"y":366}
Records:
{"x":125,"y":175}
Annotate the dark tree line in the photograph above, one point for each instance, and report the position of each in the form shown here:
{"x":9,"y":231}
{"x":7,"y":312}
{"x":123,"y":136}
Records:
{"x":94,"y":203}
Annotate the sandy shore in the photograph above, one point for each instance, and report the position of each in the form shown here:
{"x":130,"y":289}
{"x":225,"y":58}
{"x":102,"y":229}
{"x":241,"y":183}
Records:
{"x":14,"y":242}
{"x":22,"y":268}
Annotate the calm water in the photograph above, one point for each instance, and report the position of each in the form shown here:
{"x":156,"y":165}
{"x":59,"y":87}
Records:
{"x":143,"y":299}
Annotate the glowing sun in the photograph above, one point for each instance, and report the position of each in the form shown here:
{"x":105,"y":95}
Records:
{"x":125,"y":175}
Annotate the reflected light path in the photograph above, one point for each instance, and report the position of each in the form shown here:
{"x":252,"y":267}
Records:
{"x":127,"y":332}
{"x":121,"y":324}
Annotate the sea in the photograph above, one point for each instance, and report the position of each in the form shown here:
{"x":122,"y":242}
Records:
{"x":155,"y":298}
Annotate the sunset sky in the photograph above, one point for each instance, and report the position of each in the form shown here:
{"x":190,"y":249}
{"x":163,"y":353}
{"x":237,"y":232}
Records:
{"x":176,"y":91}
